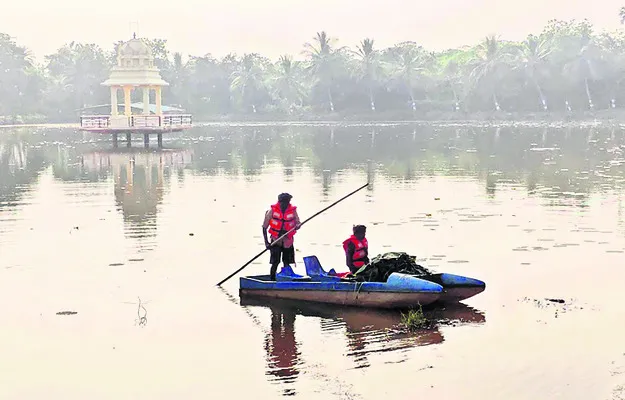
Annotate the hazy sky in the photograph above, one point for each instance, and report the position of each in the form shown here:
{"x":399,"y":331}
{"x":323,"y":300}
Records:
{"x":274,"y":27}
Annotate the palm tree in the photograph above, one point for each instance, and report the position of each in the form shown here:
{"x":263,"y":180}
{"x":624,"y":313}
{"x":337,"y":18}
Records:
{"x":409,"y":61}
{"x":286,"y":82}
{"x":247,"y":80}
{"x":322,"y":61}
{"x":81,"y":68}
{"x":369,"y":67}
{"x":582,"y":65}
{"x":532,"y":57}
{"x":489,"y":65}
{"x":180,"y":74}
{"x":453,"y":78}
{"x":612,"y":63}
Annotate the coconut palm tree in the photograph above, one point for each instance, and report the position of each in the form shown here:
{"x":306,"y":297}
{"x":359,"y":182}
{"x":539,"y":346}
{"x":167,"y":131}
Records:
{"x":81,"y":68}
{"x":409,"y":61}
{"x":583,"y":65}
{"x":612,"y":62}
{"x":368,"y":68}
{"x":179,"y":80}
{"x":322,"y":62}
{"x":490,"y":64}
{"x":532,"y":57}
{"x":247,"y":81}
{"x":286,"y":82}
{"x":453,"y":78}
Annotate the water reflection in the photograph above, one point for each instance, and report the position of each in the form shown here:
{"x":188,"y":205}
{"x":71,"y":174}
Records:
{"x":368,"y":331}
{"x":21,"y":162}
{"x":82,"y":179}
{"x":566,"y":163}
{"x":281,"y":347}
{"x":562,"y":165}
{"x":140,"y":178}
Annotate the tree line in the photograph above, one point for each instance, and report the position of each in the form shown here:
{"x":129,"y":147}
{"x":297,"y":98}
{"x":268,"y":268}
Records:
{"x":568,"y":67}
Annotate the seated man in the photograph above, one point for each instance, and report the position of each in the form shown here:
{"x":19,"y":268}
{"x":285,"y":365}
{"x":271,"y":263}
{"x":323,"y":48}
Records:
{"x":356,"y":249}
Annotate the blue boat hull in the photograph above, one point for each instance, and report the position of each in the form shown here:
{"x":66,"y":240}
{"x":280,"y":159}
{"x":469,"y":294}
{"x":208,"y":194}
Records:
{"x":455,"y":287}
{"x":399,"y":292}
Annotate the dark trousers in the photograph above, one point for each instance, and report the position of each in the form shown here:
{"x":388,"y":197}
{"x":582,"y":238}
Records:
{"x":288,"y":257}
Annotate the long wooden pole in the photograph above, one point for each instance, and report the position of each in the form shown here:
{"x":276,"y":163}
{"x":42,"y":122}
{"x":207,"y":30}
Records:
{"x":301,"y":224}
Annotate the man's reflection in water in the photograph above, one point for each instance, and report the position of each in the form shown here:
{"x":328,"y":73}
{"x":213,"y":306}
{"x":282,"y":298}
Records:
{"x":281,"y":347}
{"x":357,"y":345}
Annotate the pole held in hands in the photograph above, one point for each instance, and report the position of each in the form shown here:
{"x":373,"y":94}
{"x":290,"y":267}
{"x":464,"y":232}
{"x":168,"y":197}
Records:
{"x":301,"y":224}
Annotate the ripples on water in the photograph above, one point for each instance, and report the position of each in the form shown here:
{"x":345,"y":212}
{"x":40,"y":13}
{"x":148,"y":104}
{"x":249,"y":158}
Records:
{"x":536,"y":212}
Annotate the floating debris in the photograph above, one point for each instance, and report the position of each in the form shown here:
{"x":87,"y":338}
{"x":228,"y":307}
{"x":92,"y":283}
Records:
{"x":383,"y":265}
{"x":561,"y":305}
{"x":66,"y":313}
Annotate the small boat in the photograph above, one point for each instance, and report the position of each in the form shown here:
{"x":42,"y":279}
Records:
{"x":400,"y":291}
{"x":455,"y":288}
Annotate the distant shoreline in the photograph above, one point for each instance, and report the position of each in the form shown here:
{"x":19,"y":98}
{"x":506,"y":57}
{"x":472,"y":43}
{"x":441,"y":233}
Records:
{"x":438,"y":118}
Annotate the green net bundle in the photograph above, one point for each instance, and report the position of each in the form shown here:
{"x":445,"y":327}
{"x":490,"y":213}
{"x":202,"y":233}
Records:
{"x":383,"y":265}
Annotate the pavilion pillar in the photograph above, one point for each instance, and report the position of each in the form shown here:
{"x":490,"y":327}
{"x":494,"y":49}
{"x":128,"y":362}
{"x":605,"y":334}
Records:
{"x":158,"y":101}
{"x":146,"y":100}
{"x":114,"y":101}
{"x":127,"y":106}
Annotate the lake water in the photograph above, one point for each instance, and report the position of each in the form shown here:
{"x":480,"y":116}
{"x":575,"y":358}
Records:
{"x":535,"y":212}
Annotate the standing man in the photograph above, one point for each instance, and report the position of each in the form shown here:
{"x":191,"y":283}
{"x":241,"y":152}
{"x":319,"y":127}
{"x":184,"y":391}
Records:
{"x":280,"y":219}
{"x":356,"y":249}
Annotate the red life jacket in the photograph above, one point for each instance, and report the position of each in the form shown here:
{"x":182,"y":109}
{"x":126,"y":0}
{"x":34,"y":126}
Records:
{"x":280,"y":222}
{"x":361,"y":250}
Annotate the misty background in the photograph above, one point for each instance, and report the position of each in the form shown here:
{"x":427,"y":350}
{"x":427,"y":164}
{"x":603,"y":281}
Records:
{"x":443,"y":60}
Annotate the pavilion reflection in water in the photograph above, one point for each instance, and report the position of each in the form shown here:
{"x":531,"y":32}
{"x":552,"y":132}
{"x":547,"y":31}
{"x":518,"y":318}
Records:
{"x":368,"y":331}
{"x":140,"y":180}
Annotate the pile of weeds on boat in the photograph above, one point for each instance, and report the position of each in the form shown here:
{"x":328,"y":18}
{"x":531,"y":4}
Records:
{"x":383,"y":265}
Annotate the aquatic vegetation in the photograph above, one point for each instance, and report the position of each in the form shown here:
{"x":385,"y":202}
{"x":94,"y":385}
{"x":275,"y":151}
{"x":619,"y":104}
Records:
{"x":415,"y":319}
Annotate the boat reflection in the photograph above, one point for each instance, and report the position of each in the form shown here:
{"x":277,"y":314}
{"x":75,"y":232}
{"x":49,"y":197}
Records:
{"x":368,"y":331}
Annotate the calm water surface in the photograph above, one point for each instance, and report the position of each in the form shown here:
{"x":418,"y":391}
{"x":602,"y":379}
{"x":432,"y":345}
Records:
{"x":536,"y":213}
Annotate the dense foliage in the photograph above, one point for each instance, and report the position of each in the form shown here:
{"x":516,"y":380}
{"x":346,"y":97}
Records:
{"x":566,"y":67}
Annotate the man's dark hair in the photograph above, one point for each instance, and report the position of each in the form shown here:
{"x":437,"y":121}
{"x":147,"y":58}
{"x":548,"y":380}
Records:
{"x":284,"y":197}
{"x":359,"y":229}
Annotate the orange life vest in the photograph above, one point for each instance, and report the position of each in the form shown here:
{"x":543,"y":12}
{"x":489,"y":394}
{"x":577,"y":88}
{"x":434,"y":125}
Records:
{"x":280,"y":222}
{"x":361,"y":250}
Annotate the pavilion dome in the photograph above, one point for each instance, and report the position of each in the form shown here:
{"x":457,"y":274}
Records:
{"x":135,"y":66}
{"x":135,"y":47}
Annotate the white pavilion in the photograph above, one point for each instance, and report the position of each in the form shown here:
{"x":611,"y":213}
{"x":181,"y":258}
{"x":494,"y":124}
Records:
{"x":135,"y":70}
